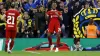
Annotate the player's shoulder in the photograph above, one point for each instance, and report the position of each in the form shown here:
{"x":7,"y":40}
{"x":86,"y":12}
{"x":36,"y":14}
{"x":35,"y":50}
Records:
{"x":14,"y":10}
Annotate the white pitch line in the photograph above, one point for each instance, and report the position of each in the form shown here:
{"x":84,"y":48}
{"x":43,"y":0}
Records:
{"x":33,"y":52}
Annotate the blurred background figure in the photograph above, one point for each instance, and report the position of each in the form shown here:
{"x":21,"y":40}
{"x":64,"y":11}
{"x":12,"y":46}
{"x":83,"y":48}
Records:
{"x":28,"y":27}
{"x":40,"y":20}
{"x":91,"y":30}
{"x":65,"y":22}
{"x":29,"y":6}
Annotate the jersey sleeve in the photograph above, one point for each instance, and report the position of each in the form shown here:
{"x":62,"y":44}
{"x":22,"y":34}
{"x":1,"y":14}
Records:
{"x":60,"y":14}
{"x":48,"y":13}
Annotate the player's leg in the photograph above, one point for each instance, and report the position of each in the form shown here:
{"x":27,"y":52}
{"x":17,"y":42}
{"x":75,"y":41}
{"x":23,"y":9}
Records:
{"x":49,"y":32}
{"x":12,"y":39}
{"x":58,"y":33}
{"x":58,"y":42}
{"x":8,"y":34}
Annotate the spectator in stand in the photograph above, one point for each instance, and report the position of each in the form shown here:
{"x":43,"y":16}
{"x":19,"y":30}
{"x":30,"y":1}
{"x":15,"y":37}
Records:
{"x":1,"y":6}
{"x":98,"y":4}
{"x":66,"y":20}
{"x":30,"y":5}
{"x":8,"y":4}
{"x":24,"y":2}
{"x":61,"y":6}
{"x":95,"y":3}
{"x":2,"y":23}
{"x":27,"y":25}
{"x":38,"y":2}
{"x":87,"y":5}
{"x":77,"y":7}
{"x":40,"y":20}
{"x":45,"y":3}
{"x":90,"y":2}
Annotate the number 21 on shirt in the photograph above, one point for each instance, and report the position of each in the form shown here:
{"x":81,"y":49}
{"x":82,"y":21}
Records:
{"x":10,"y":20}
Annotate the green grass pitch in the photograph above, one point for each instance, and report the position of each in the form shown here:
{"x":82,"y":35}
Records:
{"x":47,"y":53}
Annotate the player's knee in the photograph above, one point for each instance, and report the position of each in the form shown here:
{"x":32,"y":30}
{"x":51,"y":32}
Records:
{"x":58,"y":34}
{"x":12,"y":38}
{"x":7,"y":38}
{"x":49,"y":34}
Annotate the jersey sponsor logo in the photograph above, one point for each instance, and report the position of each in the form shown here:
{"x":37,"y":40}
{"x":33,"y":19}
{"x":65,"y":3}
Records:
{"x":10,"y":26}
{"x":54,"y":16}
{"x":11,"y":13}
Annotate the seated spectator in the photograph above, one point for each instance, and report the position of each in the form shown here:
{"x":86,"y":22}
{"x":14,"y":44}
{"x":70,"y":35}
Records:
{"x":77,"y":46}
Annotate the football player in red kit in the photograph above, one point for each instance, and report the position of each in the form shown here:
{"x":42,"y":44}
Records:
{"x":11,"y":27}
{"x":54,"y":25}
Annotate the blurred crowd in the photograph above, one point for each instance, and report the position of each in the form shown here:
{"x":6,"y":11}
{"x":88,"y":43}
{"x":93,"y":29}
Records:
{"x":33,"y":23}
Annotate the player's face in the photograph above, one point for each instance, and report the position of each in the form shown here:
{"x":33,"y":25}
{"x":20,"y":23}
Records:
{"x":54,"y":5}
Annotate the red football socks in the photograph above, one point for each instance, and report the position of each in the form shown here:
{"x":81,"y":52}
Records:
{"x":50,"y":40}
{"x":6,"y":44}
{"x":58,"y":41}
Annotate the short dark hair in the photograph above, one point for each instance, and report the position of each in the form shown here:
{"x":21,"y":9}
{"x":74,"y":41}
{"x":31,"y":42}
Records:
{"x":12,"y":5}
{"x":91,"y":21}
{"x":76,"y":40}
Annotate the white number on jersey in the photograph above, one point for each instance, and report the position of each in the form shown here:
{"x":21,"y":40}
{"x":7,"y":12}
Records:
{"x":10,"y":19}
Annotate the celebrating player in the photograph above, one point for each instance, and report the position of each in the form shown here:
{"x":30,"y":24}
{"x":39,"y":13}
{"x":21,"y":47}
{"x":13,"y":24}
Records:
{"x":11,"y":27}
{"x":54,"y":25}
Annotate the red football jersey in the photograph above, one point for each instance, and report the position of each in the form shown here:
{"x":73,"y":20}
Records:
{"x":53,"y":16}
{"x":11,"y":19}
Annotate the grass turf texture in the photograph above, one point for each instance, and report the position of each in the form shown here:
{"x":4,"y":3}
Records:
{"x":47,"y":53}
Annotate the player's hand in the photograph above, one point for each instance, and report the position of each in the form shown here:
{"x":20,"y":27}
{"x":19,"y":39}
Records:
{"x":57,"y":13}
